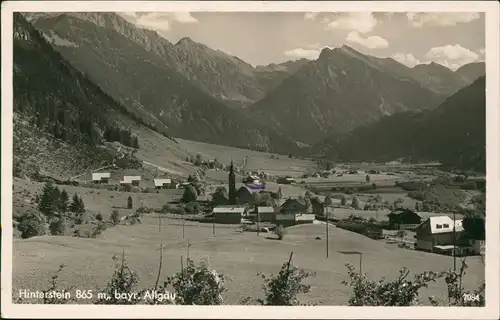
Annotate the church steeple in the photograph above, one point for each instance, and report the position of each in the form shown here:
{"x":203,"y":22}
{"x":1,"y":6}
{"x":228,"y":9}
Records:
{"x":232,"y":184}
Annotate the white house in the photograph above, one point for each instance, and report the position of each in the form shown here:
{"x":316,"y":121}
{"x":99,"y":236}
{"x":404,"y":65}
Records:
{"x":133,"y":180}
{"x":163,"y":183}
{"x":101,"y":177}
{"x":436,"y":234}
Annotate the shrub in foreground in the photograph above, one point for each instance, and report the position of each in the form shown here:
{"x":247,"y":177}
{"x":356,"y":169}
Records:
{"x":282,"y":289}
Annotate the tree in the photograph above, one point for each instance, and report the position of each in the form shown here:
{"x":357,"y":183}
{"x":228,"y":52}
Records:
{"x":198,"y":161}
{"x":189,"y":195}
{"x":63,"y":201}
{"x":32,"y":225}
{"x":308,"y":194}
{"x":474,"y":225}
{"x":220,"y":196}
{"x":355,"y":203}
{"x":343,"y":201}
{"x":280,"y":194}
{"x":280,"y":231}
{"x":367,"y":178}
{"x":77,"y":205}
{"x":115,"y":217}
{"x":47,"y":201}
{"x":99,"y":217}
{"x":328,"y":201}
{"x":129,"y":203}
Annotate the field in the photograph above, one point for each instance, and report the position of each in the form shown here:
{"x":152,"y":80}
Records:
{"x":239,"y":256}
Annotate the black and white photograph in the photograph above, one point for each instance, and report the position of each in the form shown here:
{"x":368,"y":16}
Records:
{"x":250,"y":155}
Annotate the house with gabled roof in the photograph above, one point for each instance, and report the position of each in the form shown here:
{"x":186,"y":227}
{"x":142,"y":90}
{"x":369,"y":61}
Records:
{"x":404,"y":219}
{"x":438,"y":234}
{"x":133,"y":180}
{"x":101,"y":177}
{"x":228,"y":214}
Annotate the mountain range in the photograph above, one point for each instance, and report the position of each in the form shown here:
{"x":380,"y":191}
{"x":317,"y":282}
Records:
{"x":191,"y":91}
{"x":453,"y":133}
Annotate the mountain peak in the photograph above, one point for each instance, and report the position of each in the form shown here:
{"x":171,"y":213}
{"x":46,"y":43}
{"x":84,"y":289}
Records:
{"x":184,"y":41}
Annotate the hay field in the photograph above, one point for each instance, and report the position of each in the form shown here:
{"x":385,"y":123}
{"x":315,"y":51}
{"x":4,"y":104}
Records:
{"x":239,"y":256}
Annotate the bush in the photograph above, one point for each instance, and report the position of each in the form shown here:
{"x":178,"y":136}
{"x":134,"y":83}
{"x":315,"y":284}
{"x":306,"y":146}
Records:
{"x":283,"y":288}
{"x":58,"y":226}
{"x":280,"y":231}
{"x":99,"y":228}
{"x":124,"y":281}
{"x":144,"y":210}
{"x":99,"y":217}
{"x":197,"y":285}
{"x":400,"y":292}
{"x":32,"y":225}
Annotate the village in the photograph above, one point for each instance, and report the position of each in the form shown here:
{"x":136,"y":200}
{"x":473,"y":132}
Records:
{"x":260,"y":202}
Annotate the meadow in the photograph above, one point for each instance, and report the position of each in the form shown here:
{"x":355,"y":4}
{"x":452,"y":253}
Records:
{"x":237,"y":255}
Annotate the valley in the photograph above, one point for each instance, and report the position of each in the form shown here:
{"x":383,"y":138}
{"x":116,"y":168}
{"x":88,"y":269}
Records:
{"x":126,"y":143}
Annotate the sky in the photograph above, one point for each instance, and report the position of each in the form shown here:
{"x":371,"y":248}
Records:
{"x":260,"y":38}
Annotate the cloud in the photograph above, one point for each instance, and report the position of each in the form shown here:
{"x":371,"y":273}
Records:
{"x":303,"y":53}
{"x":310,"y":52}
{"x":160,"y":21}
{"x":311,"y":15}
{"x":363,"y":22}
{"x":406,"y":58}
{"x":433,"y":19}
{"x":452,"y":56}
{"x":372,"y":42}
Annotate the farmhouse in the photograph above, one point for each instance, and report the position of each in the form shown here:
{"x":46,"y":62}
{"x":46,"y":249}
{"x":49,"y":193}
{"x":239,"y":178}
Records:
{"x":404,"y":219}
{"x":133,"y":180}
{"x":245,"y":195}
{"x":228,"y":215}
{"x":436,"y":234}
{"x":265,"y":214}
{"x":296,"y":206}
{"x":101,"y":177}
{"x":165,"y":184}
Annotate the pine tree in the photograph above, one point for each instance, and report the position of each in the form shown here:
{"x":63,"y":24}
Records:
{"x":343,"y":201}
{"x":46,"y":203}
{"x":77,"y":206}
{"x":63,"y":202}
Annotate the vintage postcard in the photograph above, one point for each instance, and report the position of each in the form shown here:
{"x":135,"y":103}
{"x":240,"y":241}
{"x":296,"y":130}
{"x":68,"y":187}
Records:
{"x":279,"y":159}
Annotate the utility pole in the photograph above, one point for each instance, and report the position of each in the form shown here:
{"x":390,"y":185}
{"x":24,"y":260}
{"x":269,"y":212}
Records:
{"x":189,"y":245}
{"x":213,"y":225}
{"x":454,"y":243}
{"x":361,"y":263}
{"x":258,"y":222}
{"x":183,"y":223}
{"x":327,"y":235}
